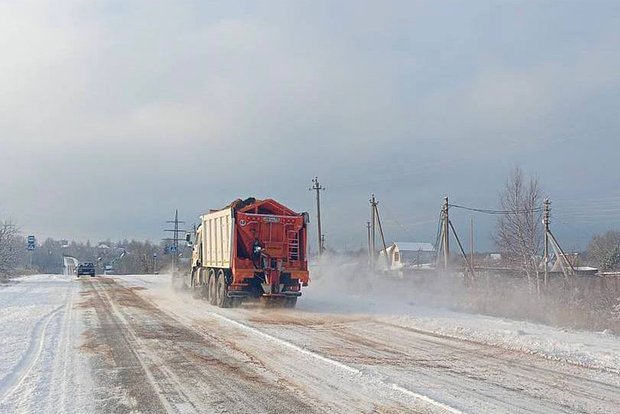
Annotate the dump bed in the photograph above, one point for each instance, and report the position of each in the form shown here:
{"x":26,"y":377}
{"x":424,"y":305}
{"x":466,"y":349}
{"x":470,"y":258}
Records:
{"x":217,"y":230}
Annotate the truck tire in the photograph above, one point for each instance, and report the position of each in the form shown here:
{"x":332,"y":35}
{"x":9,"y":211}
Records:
{"x":204,"y":287}
{"x":210,"y":275}
{"x":223,"y":301}
{"x":213,"y":289}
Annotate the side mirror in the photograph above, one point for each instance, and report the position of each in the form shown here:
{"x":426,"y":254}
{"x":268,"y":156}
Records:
{"x":306,"y":217}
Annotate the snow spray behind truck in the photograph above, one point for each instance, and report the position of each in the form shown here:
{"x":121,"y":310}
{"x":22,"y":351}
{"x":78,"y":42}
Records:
{"x":250,"y":249}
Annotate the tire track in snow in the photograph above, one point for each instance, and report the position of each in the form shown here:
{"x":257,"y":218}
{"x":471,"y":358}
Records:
{"x":30,"y":359}
{"x":424,"y":398}
{"x":137,"y":349}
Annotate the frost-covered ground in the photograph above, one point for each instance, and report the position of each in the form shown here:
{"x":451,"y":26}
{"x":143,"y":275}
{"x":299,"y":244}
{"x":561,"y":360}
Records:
{"x":589,"y":349}
{"x":133,"y":344}
{"x":41,"y":367}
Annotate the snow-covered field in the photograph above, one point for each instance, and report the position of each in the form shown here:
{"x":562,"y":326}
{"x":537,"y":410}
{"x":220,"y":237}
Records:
{"x":132,"y":344}
{"x":41,"y":366}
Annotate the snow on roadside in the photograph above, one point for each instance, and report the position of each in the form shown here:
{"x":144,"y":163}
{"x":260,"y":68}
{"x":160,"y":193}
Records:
{"x":22,"y":305}
{"x":343,"y":287}
{"x":587,"y":349}
{"x":40,"y":365}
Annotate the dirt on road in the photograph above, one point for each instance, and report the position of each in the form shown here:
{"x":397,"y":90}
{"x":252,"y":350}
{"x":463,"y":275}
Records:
{"x":146,"y":361}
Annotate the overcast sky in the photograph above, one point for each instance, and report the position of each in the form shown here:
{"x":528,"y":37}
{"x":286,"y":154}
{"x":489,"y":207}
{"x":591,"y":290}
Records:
{"x":114,"y":113}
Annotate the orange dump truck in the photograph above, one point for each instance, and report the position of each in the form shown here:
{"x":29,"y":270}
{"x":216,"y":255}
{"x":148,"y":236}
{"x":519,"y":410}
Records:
{"x":250,"y":249}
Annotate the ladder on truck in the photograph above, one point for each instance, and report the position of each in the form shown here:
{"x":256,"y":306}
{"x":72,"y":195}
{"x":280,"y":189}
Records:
{"x":293,"y":244}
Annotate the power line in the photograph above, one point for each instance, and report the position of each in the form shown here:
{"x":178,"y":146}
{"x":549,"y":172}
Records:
{"x":590,"y":199}
{"x":497,"y":212}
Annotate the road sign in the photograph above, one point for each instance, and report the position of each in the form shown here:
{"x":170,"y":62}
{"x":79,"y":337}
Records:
{"x":31,"y":242}
{"x":173,"y":249}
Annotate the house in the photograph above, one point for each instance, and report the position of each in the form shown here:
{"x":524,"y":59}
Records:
{"x":410,"y":255}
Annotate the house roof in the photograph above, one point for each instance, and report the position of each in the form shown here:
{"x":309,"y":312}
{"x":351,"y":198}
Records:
{"x":415,"y":246}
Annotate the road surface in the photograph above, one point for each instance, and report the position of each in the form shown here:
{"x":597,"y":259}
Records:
{"x":130,"y":344}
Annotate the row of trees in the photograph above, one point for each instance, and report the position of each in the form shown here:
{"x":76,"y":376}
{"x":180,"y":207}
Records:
{"x":124,"y":257}
{"x":11,"y":246}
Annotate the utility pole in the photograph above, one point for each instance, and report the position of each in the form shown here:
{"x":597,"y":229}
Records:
{"x":388,"y":259}
{"x":546,"y":214}
{"x":373,"y":221}
{"x":471,"y":242}
{"x":445,"y":233}
{"x":174,"y":249}
{"x":376,"y":220}
{"x":317,"y":187}
{"x":369,"y":247}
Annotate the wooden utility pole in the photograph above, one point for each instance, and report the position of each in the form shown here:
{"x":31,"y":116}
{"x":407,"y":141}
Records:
{"x":369,"y":247}
{"x":546,"y":211}
{"x":445,"y":217}
{"x":317,"y":187}
{"x":471,"y":242}
{"x":373,"y":221}
{"x":376,"y":220}
{"x":388,"y":259}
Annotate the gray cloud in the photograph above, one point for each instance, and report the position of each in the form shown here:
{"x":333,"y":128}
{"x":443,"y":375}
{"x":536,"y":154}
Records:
{"x":150,"y":106}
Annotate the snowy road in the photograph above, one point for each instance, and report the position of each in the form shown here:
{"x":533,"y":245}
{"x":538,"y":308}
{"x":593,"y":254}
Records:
{"x":131,"y":344}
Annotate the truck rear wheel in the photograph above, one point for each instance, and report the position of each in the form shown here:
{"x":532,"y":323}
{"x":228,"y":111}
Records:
{"x":223,"y":301}
{"x":208,"y":287}
{"x":204,"y":287}
{"x":213,"y":289}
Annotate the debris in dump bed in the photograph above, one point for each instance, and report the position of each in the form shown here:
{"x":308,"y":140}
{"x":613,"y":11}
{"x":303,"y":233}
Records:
{"x":237,"y":204}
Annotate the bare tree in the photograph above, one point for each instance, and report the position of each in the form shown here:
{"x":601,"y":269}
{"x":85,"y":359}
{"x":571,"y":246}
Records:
{"x":9,"y":248}
{"x":519,"y":230}
{"x":604,"y":250}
